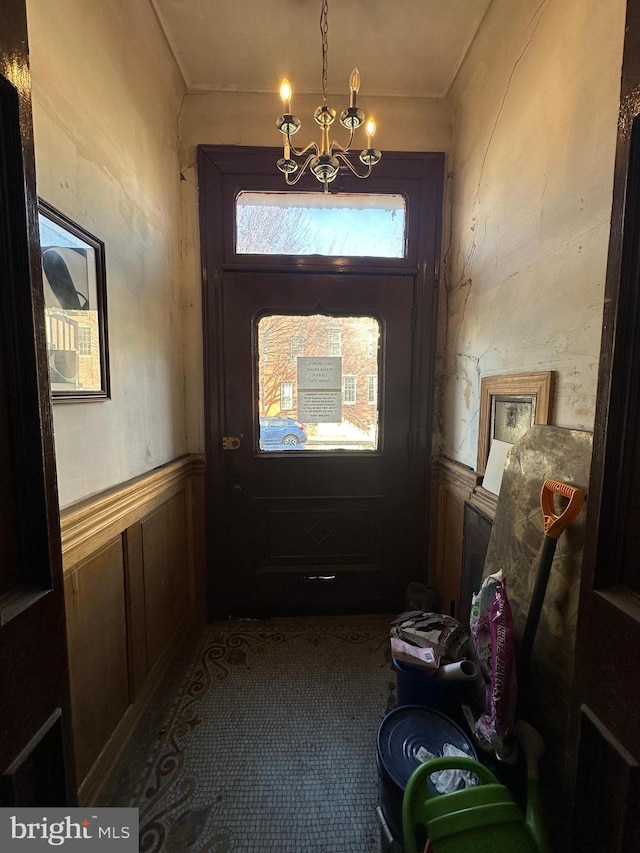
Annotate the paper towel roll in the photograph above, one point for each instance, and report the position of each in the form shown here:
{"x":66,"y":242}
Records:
{"x":462,"y":670}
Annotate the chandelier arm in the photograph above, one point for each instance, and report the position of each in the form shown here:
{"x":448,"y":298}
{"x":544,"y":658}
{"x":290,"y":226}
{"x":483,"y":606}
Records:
{"x":299,"y":173}
{"x":302,"y":151}
{"x":348,"y":163}
{"x":346,"y":147}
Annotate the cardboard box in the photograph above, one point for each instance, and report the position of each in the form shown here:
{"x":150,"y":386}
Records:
{"x":425,"y":658}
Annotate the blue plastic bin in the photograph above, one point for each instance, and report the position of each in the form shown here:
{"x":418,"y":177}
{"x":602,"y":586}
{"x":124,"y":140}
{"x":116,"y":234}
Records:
{"x":414,"y":686}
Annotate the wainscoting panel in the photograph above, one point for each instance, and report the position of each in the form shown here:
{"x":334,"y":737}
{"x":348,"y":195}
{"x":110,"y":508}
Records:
{"x":166,"y":573}
{"x":130,"y":592}
{"x":97,"y":639}
{"x":136,"y":604}
{"x":452,"y":485}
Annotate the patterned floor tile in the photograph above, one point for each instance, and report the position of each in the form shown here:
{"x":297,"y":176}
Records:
{"x":268,"y":744}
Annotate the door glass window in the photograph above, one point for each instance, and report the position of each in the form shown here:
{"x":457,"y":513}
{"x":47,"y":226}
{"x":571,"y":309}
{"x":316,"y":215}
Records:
{"x":338,"y":224}
{"x":322,"y":393}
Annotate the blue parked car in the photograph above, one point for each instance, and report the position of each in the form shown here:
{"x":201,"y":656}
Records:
{"x":282,"y":431}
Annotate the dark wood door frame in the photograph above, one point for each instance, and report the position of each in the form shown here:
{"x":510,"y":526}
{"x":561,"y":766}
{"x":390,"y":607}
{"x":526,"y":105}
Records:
{"x":225,"y":170}
{"x":605,"y":753}
{"x":36,"y":757}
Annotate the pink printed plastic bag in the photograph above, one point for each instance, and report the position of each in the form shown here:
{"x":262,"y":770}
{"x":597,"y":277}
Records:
{"x":491,"y":626}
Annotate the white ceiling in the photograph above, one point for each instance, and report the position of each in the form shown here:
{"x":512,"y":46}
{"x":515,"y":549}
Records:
{"x":401,"y":47}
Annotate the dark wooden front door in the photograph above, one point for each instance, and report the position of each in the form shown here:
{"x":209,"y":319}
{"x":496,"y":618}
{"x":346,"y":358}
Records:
{"x":35,"y":740}
{"x":607,"y":694}
{"x":307,"y":530}
{"x":316,"y":528}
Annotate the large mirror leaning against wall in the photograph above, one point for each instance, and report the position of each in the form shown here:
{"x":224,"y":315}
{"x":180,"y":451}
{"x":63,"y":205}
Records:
{"x":74,"y":281}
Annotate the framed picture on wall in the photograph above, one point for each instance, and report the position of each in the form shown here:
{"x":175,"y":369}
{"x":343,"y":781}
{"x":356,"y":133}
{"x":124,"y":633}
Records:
{"x":509,"y":406}
{"x":75,"y":298}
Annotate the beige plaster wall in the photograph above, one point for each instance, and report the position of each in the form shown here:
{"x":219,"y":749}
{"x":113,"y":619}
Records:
{"x":106,"y":96}
{"x":221,"y":118}
{"x":531,"y":145}
{"x":534,"y":109}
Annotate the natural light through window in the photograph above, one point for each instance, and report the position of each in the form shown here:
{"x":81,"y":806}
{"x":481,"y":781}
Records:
{"x":344,"y":225}
{"x":317,"y":382}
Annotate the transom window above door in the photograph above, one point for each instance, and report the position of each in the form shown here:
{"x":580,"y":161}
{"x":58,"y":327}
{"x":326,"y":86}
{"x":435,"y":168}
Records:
{"x":313,"y":394}
{"x":312,"y":223}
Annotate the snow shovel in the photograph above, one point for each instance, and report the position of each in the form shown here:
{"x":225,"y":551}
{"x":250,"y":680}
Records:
{"x":554,"y":524}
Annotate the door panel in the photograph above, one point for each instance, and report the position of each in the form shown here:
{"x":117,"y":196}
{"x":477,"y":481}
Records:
{"x":309,"y":534}
{"x":316,"y":529}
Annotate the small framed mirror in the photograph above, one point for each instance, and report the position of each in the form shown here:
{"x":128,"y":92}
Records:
{"x":73,"y":272}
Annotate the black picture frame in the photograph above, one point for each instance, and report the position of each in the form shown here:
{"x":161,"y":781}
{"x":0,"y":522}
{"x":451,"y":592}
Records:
{"x":75,"y":297}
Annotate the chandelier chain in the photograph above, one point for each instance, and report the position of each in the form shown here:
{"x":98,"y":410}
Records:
{"x":324,"y":30}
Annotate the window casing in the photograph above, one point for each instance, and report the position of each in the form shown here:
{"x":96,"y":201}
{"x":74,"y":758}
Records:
{"x":372,"y":389}
{"x":335,"y":342}
{"x":286,"y":396}
{"x":84,"y":340}
{"x":349,"y":385}
{"x":296,"y":347}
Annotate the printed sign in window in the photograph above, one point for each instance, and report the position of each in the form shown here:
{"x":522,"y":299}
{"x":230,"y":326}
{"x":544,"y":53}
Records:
{"x":320,"y":389}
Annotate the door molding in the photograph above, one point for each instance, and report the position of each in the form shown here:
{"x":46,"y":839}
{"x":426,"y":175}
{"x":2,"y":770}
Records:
{"x":36,"y":752}
{"x":225,"y":170}
{"x":605,"y":748}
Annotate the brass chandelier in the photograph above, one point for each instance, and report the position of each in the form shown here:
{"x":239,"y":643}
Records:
{"x":325,"y":158}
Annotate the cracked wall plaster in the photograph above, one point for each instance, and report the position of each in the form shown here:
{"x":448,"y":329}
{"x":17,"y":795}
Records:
{"x":535,"y":109}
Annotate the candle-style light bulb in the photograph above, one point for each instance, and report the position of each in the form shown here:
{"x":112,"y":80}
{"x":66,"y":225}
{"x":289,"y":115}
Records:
{"x":285,"y":94}
{"x":371,"y":131}
{"x":354,"y":86}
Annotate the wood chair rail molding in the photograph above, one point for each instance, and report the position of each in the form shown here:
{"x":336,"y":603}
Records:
{"x":92,"y":523}
{"x":455,"y":474}
{"x":485,"y":501}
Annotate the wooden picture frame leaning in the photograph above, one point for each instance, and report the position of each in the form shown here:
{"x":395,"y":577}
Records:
{"x":527,"y":400}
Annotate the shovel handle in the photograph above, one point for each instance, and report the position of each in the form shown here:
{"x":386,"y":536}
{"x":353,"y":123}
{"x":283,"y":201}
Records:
{"x":554,"y":524}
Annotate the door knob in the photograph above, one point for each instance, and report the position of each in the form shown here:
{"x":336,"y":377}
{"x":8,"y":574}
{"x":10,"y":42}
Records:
{"x":236,"y":489}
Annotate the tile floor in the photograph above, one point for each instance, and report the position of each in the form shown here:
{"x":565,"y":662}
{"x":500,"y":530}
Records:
{"x":268,"y":744}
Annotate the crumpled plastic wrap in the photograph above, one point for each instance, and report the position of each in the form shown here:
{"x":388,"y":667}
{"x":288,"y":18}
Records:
{"x":447,"y":781}
{"x":436,"y":631}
